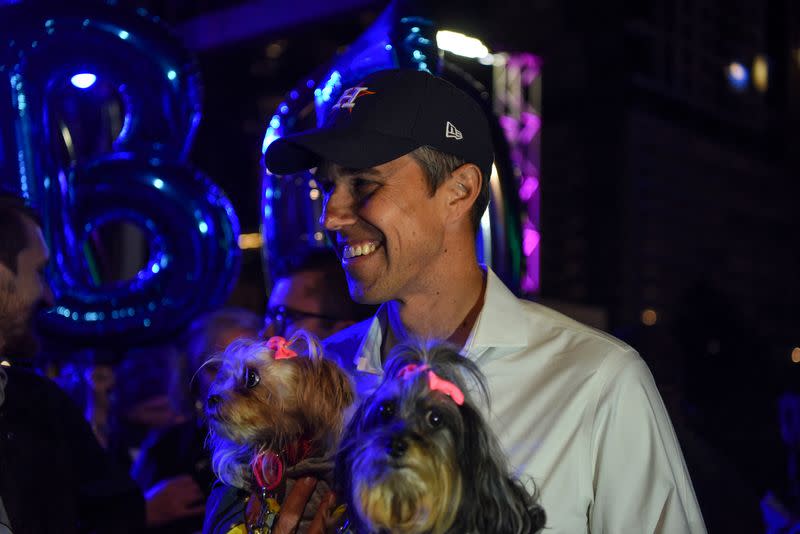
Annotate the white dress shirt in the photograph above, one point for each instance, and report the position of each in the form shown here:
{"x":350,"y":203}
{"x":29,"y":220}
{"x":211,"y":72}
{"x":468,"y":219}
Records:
{"x":576,"y":411}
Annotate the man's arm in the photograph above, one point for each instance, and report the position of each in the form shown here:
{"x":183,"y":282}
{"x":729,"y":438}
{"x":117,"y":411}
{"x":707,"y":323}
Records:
{"x":641,"y":484}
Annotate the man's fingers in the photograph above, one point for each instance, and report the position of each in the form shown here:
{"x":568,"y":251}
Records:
{"x":321,"y":518}
{"x":294,"y":504}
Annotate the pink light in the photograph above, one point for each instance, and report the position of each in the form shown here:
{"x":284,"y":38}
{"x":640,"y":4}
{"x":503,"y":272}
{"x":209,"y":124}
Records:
{"x":509,"y":125}
{"x":529,"y":186}
{"x":529,"y":64}
{"x":528,"y":284}
{"x":530,"y":127}
{"x":530,"y":240}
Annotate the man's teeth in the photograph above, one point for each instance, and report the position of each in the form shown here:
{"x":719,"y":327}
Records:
{"x":359,"y":250}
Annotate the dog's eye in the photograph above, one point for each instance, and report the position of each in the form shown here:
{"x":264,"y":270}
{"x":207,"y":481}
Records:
{"x":252,"y":379}
{"x":386,"y":410}
{"x":434,"y":418}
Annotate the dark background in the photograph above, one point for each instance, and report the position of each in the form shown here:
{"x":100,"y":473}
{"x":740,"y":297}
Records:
{"x":663,"y":187}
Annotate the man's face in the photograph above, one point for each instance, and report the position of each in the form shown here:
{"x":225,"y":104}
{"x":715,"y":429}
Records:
{"x":386,"y":227}
{"x":23,"y":293}
{"x":301,"y":294}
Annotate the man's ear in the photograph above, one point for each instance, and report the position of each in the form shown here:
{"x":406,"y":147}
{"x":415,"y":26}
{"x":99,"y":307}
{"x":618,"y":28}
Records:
{"x":462,"y":189}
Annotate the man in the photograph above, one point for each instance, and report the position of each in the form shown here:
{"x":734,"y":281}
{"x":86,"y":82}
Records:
{"x":404,"y":160}
{"x":54,"y":477}
{"x":24,"y":290}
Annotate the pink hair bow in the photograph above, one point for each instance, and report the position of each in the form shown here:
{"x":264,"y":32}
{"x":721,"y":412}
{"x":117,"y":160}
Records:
{"x":411,"y":369}
{"x":280,"y":347}
{"x":434,"y":382}
{"x":445,"y":386}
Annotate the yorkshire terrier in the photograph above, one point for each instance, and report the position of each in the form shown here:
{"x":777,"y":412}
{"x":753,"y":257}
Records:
{"x":418,"y":458}
{"x":276,"y":415}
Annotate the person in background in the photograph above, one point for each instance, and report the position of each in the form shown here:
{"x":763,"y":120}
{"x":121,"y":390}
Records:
{"x":54,"y":476}
{"x":142,"y":402}
{"x":310,"y":293}
{"x":88,"y":377}
{"x":780,"y":507}
{"x":178,"y":452}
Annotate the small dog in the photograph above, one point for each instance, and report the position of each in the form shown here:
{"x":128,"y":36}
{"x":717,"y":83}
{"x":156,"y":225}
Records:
{"x":274,"y":416}
{"x":418,"y":458}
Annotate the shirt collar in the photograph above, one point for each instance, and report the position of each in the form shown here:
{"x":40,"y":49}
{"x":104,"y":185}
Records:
{"x":500,"y":324}
{"x":368,"y":355}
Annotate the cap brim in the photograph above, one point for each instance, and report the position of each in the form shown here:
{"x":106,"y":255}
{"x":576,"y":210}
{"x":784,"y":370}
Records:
{"x":348,"y":148}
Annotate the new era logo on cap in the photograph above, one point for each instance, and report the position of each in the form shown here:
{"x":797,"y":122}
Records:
{"x":452,"y":132}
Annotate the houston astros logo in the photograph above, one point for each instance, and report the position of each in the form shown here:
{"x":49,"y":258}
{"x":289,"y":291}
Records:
{"x":348,"y":98}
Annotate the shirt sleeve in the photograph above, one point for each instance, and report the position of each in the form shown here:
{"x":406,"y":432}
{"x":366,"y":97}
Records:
{"x":640,"y":481}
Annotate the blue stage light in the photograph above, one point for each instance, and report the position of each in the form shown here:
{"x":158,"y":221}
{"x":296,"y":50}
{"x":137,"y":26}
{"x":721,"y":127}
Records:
{"x":83,"y":80}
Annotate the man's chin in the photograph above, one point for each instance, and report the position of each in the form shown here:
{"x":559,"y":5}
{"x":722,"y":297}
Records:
{"x":363,"y":295}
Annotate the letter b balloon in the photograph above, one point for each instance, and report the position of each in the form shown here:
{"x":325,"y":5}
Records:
{"x":98,"y":108}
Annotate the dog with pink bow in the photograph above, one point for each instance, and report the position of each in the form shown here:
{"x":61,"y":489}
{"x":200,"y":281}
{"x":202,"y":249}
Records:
{"x":418,"y":457}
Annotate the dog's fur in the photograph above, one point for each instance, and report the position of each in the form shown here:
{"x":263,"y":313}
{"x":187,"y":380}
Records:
{"x":412,"y":461}
{"x":300,"y":398}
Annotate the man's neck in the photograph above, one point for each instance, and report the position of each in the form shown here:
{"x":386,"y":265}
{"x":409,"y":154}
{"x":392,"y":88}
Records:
{"x":448,"y":313}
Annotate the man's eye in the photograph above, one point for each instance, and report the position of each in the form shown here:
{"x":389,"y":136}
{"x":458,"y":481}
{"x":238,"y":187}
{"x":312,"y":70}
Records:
{"x":361,"y":185}
{"x":252,"y":379}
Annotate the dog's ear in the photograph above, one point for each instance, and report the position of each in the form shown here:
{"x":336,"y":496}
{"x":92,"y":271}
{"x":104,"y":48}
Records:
{"x":325,"y":393}
{"x":342,"y":481}
{"x":493,"y":501}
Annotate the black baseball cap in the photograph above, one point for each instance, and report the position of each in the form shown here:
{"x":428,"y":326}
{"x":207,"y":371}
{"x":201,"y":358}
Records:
{"x":386,"y":115}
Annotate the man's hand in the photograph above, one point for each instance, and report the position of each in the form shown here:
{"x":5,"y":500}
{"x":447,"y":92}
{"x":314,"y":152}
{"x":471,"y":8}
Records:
{"x":294,"y":504}
{"x":174,"y":498}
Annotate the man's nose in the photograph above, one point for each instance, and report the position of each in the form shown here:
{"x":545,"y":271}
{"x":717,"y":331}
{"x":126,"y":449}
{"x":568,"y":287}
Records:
{"x":338,"y":209}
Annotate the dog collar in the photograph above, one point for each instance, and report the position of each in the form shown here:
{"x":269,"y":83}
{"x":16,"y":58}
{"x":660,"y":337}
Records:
{"x":267,"y":470}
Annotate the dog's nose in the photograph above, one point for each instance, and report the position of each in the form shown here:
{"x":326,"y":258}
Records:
{"x":397,"y":447}
{"x":213,"y":400}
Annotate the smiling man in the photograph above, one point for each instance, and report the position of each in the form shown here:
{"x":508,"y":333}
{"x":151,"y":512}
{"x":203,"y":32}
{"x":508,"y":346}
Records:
{"x":404,"y":160}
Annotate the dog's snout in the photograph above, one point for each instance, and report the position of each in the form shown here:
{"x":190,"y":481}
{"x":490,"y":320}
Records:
{"x":398,"y":446}
{"x":213,"y":400}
